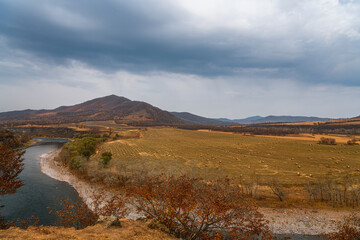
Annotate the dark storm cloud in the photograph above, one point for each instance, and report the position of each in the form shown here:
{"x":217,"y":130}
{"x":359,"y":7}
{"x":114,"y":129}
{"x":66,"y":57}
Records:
{"x":117,"y":35}
{"x":150,"y":36}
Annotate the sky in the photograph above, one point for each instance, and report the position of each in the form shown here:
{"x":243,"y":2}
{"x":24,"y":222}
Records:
{"x":214,"y":58}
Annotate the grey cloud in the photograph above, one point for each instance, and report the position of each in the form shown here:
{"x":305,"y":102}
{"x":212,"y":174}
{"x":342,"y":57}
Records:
{"x":143,"y":36}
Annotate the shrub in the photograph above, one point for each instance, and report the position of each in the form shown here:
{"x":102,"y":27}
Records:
{"x":327,"y":141}
{"x":349,"y":229}
{"x":26,"y":223}
{"x":191,"y":209}
{"x":75,"y":162}
{"x":11,"y":165}
{"x":105,"y":158}
{"x":82,"y":146}
{"x":352,"y":142}
{"x":76,"y":215}
{"x":79,"y":149}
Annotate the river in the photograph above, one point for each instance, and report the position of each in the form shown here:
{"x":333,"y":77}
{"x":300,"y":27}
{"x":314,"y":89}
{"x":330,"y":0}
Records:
{"x":39,"y":191}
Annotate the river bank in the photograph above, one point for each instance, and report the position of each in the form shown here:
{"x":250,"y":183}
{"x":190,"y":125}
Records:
{"x":281,"y":221}
{"x":55,"y":170}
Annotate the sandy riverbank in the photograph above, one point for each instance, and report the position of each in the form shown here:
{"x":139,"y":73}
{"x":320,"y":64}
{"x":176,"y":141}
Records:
{"x":85,"y":190}
{"x":281,"y":221}
{"x":55,"y":170}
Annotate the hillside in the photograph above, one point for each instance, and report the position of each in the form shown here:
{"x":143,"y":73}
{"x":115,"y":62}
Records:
{"x":275,"y":119}
{"x":189,"y":118}
{"x":112,"y":107}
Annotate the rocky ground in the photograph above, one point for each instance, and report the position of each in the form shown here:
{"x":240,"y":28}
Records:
{"x":303,"y":221}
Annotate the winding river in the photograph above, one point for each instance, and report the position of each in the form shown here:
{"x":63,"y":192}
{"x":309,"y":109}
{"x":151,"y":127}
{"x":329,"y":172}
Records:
{"x":39,"y":191}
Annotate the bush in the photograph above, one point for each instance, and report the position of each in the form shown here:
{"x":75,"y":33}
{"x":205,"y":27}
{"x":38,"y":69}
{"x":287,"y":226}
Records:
{"x":11,"y":165}
{"x":105,"y":158}
{"x":349,"y":229}
{"x":352,"y":142}
{"x":76,"y":215}
{"x":327,"y":141}
{"x":191,"y":209}
{"x":81,"y":149}
{"x":82,"y":146}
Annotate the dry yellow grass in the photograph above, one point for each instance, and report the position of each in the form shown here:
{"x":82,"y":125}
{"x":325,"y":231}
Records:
{"x":315,"y":137}
{"x":130,"y":230}
{"x":213,"y":154}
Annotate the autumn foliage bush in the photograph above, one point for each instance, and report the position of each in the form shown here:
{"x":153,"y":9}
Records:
{"x":74,"y":214}
{"x":349,"y":229}
{"x":192,"y":209}
{"x":78,"y":215}
{"x":327,"y":141}
{"x":11,"y":165}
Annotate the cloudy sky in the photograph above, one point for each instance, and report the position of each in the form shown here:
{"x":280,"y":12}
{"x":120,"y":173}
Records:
{"x":215,"y":58}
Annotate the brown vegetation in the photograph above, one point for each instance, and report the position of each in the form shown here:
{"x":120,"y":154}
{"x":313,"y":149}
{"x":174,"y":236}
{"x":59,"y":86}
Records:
{"x":129,"y":230}
{"x":11,"y":165}
{"x":348,"y":229}
{"x":191,"y":209}
{"x":327,"y":141}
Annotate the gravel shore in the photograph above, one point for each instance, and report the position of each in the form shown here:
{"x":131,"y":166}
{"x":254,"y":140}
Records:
{"x":55,"y":170}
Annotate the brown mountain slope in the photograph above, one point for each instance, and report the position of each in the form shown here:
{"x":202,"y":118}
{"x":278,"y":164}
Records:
{"x":112,"y":107}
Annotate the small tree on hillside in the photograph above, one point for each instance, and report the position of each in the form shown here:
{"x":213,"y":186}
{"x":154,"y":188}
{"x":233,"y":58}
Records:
{"x":105,"y":158}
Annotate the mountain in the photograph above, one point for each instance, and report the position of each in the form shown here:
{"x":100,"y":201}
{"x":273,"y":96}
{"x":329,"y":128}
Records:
{"x":112,"y":107}
{"x":189,"y":118}
{"x":274,"y":119}
{"x":243,"y":120}
{"x":286,"y":119}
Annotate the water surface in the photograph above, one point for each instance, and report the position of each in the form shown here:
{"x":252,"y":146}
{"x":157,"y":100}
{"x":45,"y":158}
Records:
{"x":39,"y":191}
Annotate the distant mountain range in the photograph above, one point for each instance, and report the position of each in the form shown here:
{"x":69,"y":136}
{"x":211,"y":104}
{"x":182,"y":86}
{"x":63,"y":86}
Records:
{"x":189,"y":118}
{"x":275,"y":119}
{"x":123,"y":110}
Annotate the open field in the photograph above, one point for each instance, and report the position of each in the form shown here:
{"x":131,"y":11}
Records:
{"x":315,"y":137}
{"x":353,"y":121}
{"x":214,"y":154}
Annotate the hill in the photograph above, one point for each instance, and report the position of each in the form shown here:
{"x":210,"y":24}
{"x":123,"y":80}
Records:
{"x":112,"y":107}
{"x":275,"y":119}
{"x":189,"y":118}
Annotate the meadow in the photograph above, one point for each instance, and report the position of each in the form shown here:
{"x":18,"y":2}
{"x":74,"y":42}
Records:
{"x":212,"y":155}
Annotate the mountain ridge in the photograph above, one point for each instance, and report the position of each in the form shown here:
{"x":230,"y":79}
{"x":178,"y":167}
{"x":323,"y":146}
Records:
{"x":111,"y":107}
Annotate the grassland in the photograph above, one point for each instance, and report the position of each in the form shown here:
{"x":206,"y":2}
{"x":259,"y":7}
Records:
{"x":213,"y":154}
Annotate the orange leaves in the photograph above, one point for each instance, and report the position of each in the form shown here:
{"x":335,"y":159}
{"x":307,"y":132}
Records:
{"x":349,"y":229}
{"x":192,"y":209}
{"x":74,"y":215}
{"x":106,"y":206}
{"x":11,"y":165}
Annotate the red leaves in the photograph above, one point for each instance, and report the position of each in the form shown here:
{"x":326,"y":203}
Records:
{"x":74,"y":215}
{"x":11,"y":165}
{"x":192,"y":209}
{"x":349,"y":229}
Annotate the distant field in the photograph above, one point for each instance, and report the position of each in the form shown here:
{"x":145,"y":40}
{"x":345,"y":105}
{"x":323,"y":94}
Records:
{"x":214,"y":154}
